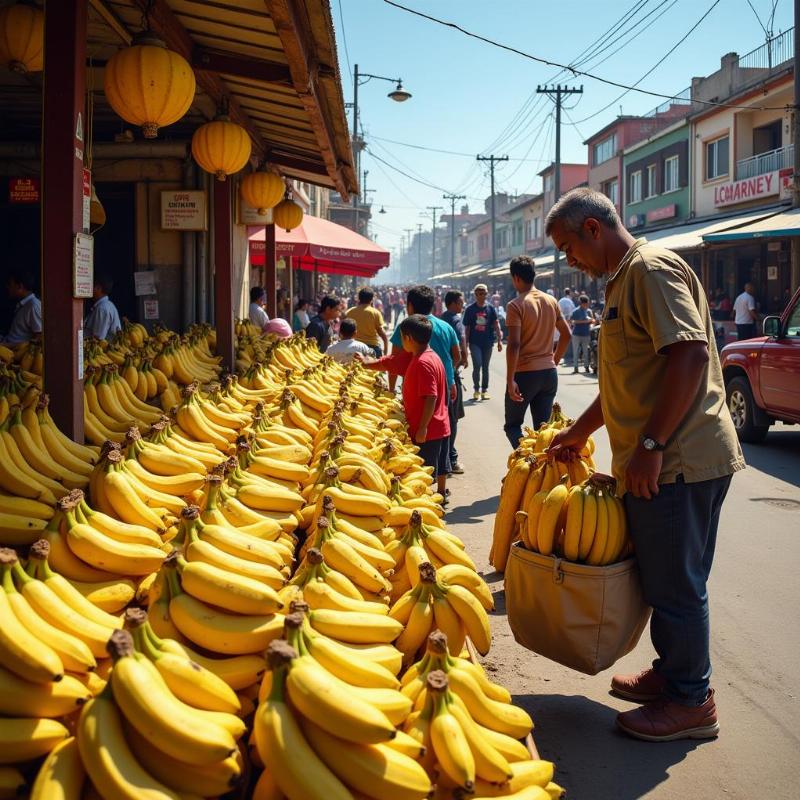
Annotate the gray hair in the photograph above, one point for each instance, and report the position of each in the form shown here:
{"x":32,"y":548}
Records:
{"x":578,"y":205}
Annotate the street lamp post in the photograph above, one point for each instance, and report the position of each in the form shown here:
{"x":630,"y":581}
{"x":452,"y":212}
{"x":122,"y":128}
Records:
{"x":398,"y":94}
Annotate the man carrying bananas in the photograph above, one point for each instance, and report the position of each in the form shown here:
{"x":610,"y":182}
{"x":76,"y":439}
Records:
{"x":674,"y":450}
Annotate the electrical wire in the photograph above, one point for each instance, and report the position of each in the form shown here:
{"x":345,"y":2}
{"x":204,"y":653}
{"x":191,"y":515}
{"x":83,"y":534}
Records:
{"x":344,"y":40}
{"x":758,"y":17}
{"x":654,"y":67}
{"x":548,"y":119}
{"x":434,"y":149}
{"x":575,"y":72}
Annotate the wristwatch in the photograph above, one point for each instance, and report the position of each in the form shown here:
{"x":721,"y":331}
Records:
{"x":650,"y":444}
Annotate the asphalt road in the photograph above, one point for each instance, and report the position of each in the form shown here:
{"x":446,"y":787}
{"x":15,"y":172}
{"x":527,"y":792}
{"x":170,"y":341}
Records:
{"x":754,"y":594}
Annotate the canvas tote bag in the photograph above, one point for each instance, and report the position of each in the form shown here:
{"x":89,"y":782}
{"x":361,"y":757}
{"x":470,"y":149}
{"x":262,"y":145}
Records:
{"x":580,"y":616}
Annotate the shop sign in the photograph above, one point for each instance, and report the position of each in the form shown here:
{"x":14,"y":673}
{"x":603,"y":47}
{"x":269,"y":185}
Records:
{"x":772,"y":273}
{"x":183,"y":211}
{"x":250,"y":216}
{"x":786,"y":176}
{"x":87,"y":200}
{"x":23,"y":190}
{"x":636,"y":220}
{"x":766,"y":185}
{"x":144,"y":282}
{"x":79,"y":344}
{"x":151,"y":309}
{"x":665,"y":212}
{"x":83,"y":266}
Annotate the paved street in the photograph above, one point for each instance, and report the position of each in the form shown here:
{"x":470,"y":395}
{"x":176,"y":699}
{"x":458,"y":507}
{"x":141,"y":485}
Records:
{"x":755,"y":647}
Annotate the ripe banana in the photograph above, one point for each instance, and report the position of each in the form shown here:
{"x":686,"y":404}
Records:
{"x":24,"y":738}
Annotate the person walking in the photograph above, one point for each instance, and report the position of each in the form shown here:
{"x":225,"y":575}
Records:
{"x":531,"y":376}
{"x":103,"y":320}
{"x":581,"y":320}
{"x":674,"y":450}
{"x":369,"y":322}
{"x":454,"y":306}
{"x":300,"y":318}
{"x":745,"y":314}
{"x":566,"y":306}
{"x":481,"y":326}
{"x":320,"y":327}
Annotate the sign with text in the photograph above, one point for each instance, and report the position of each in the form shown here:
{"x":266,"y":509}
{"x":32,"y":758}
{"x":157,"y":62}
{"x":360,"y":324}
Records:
{"x":767,"y":185}
{"x":144,"y":282}
{"x":184,"y":210}
{"x":87,"y":199}
{"x":151,"y":309}
{"x":249,"y":216}
{"x":635,"y":220}
{"x":665,"y":212}
{"x":23,"y":190}
{"x":83,"y":266}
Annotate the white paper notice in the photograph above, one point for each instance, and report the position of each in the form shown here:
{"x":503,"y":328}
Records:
{"x":144,"y":282}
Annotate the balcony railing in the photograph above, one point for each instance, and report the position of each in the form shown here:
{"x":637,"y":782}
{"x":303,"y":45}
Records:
{"x":770,"y":161}
{"x":776,"y":51}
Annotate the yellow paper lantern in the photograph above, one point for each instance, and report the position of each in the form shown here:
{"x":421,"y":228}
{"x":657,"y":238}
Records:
{"x":221,"y":147}
{"x":287,"y":214}
{"x":22,"y":38}
{"x":262,"y":190}
{"x":149,"y":85}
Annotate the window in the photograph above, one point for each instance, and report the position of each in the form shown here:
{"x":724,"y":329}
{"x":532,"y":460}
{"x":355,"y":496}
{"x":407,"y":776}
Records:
{"x":517,"y":233}
{"x":793,"y":324}
{"x":533,"y":229}
{"x":671,"y":182}
{"x":611,"y":191}
{"x":635,"y":193}
{"x":548,"y":182}
{"x":651,"y":180}
{"x":604,"y":150}
{"x":717,"y":158}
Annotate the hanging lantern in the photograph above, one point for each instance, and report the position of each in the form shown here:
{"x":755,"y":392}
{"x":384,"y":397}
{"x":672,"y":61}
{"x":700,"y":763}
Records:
{"x":221,"y":147}
{"x":22,"y":38}
{"x":287,"y":214}
{"x":149,"y":85}
{"x":262,"y":190}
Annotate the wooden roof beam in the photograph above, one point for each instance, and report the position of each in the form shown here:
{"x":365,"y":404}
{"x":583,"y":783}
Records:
{"x":292,"y":27}
{"x":165,"y":24}
{"x":253,"y":69}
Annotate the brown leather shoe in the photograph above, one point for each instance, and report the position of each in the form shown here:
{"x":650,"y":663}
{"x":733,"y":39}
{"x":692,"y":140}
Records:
{"x":643,"y":687}
{"x":664,"y":721}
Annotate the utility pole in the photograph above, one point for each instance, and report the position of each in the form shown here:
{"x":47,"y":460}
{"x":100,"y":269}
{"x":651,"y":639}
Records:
{"x":492,"y":161}
{"x":452,"y":198}
{"x":419,"y":251}
{"x":433,"y":209}
{"x":559,"y":91}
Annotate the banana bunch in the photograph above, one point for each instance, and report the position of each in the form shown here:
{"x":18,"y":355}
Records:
{"x":454,"y":609}
{"x":322,"y":739}
{"x":201,"y":420}
{"x":422,"y":542}
{"x":145,"y":380}
{"x":177,"y":614}
{"x":584,"y":523}
{"x":138,"y":738}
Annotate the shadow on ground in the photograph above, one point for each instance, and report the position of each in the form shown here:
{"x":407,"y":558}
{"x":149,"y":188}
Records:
{"x":473,"y":513}
{"x":779,"y":455}
{"x":605,"y":764}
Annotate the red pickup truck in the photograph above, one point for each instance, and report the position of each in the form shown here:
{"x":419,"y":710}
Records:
{"x":762,"y":375}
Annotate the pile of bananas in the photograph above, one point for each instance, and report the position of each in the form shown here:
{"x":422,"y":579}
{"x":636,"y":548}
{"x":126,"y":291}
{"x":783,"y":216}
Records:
{"x":301,"y":590}
{"x":585,"y":523}
{"x":532,"y":472}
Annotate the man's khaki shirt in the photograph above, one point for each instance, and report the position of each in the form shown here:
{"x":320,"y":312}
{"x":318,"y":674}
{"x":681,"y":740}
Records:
{"x":653,"y":300}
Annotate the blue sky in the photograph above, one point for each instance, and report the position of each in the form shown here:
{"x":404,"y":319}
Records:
{"x":469,"y":97}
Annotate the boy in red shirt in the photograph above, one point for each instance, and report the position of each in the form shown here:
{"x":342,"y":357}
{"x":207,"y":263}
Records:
{"x":424,"y":393}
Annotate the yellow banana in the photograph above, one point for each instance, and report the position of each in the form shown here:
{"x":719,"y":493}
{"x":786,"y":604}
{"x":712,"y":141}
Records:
{"x":21,"y":698}
{"x":24,"y":738}
{"x":228,"y":591}
{"x":448,"y":741}
{"x":473,"y":616}
{"x":547,"y":529}
{"x":110,"y":596}
{"x":62,"y":775}
{"x":459,"y":575}
{"x":500,"y":717}
{"x":574,"y":522}
{"x":595,"y":555}
{"x":355,"y":627}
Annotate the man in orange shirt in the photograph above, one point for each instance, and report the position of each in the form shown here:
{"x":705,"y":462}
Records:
{"x":531,"y":377}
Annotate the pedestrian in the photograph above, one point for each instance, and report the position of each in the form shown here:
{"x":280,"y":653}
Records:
{"x":103,"y":320}
{"x":454,"y":306}
{"x":369,"y":322}
{"x":300,"y":317}
{"x":256,"y":313}
{"x":745,"y":314}
{"x":674,"y":450}
{"x":320,"y":327}
{"x":581,"y":320}
{"x":482,"y":326}
{"x":348,"y":345}
{"x":567,"y":307}
{"x":531,"y":376}
{"x":425,"y":391}
{"x":27,"y":321}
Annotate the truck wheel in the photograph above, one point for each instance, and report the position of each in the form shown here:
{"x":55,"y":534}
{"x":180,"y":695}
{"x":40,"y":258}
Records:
{"x":742,"y":408}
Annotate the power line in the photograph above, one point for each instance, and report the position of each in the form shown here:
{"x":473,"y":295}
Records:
{"x":536,"y":138}
{"x":654,"y":67}
{"x":434,"y":149}
{"x":758,"y":17}
{"x":575,"y":72}
{"x":344,"y":40}
{"x":405,"y":174}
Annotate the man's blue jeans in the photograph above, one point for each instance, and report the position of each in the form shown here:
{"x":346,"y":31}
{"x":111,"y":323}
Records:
{"x":481,"y":355}
{"x":675,"y":534}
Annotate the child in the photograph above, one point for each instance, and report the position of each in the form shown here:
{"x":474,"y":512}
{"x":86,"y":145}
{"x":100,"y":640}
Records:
{"x":345,"y":349}
{"x":424,"y":393}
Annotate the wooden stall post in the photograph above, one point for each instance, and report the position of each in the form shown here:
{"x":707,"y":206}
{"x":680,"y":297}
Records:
{"x":223,"y":283}
{"x":64,"y":128}
{"x":271,"y":270}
